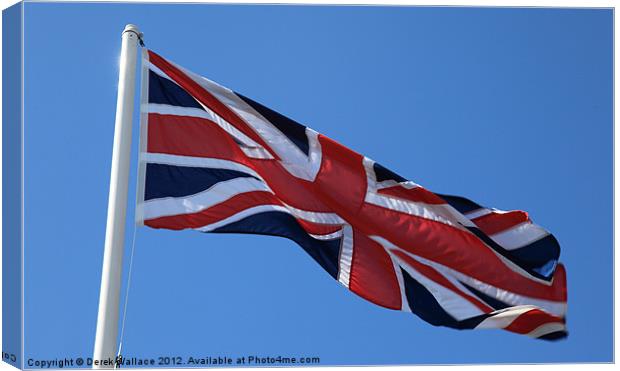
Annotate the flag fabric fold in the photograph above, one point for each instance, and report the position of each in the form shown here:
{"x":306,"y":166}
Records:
{"x":214,"y":160}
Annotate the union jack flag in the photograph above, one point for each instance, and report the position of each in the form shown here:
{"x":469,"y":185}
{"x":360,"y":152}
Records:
{"x":214,"y":160}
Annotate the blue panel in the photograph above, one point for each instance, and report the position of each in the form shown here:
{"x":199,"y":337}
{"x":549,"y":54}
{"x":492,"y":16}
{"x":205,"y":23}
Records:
{"x":425,"y":306}
{"x":12,"y":186}
{"x":461,"y":204}
{"x":382,"y":173}
{"x":539,"y":253}
{"x":164,"y":91}
{"x":275,"y":223}
{"x":525,"y":265}
{"x":178,"y":181}
{"x":554,"y":335}
{"x":489,"y":300}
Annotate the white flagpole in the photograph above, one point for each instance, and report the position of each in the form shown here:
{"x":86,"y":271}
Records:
{"x":109,"y":296}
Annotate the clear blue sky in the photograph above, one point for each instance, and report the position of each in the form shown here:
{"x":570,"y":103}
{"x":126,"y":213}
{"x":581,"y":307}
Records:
{"x":509,"y":107}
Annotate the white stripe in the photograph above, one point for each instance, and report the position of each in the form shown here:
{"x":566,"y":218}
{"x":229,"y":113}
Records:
{"x":346,"y":256}
{"x":256,"y":152}
{"x":391,"y":183}
{"x":208,"y":114}
{"x":519,"y":236}
{"x":386,"y":184}
{"x":443,"y":213}
{"x":260,"y":209}
{"x":167,"y":109}
{"x":159,"y":72}
{"x":477,"y":213}
{"x":315,"y":153}
{"x":292,"y":158}
{"x":431,"y":212}
{"x":453,"y":303}
{"x":554,"y":307}
{"x":315,"y":216}
{"x":370,"y":171}
{"x":218,"y":193}
{"x":504,"y":317}
{"x":329,"y":236}
{"x":401,"y":282}
{"x":241,"y":215}
{"x":547,"y":328}
{"x":410,"y":184}
{"x":370,"y":174}
{"x":190,"y":161}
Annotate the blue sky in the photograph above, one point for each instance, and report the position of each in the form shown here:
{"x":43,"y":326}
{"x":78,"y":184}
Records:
{"x":509,"y":107}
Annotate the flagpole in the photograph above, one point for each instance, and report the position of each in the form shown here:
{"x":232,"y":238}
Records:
{"x":109,"y":295}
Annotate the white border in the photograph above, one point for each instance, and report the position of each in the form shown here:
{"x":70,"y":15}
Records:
{"x":142,"y":140}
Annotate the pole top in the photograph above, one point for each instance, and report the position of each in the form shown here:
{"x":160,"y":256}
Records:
{"x":134,"y":29}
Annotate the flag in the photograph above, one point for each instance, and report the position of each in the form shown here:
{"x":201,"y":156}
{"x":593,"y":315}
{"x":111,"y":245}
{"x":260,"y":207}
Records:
{"x":213,"y":160}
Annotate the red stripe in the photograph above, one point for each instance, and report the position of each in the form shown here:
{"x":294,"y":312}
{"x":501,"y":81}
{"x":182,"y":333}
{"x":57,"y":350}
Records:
{"x":372,"y":273}
{"x":432,"y":274}
{"x":559,"y":281}
{"x":215,"y":213}
{"x":454,"y":248}
{"x":531,"y":320}
{"x":341,"y":181}
{"x":497,"y":222}
{"x":199,"y":137}
{"x":191,"y":136}
{"x":291,"y":190}
{"x":417,"y":194}
{"x":318,"y":229}
{"x":205,"y":97}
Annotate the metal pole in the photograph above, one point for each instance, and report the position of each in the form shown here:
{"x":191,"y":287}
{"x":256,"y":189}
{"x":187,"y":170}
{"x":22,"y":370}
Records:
{"x":109,"y":296}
